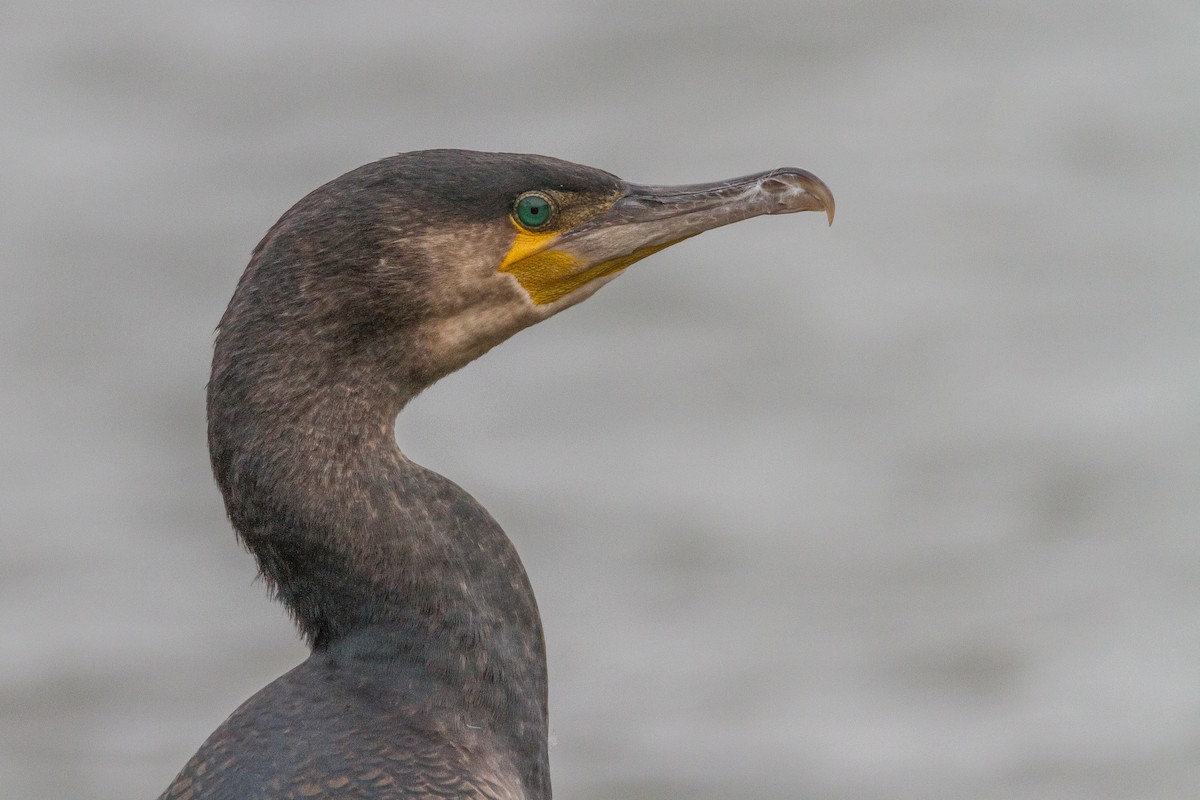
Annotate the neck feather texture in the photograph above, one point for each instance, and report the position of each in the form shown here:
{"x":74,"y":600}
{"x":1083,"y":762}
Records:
{"x":371,"y":553}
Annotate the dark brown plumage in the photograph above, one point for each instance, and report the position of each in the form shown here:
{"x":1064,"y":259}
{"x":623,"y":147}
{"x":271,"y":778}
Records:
{"x":427,"y":676}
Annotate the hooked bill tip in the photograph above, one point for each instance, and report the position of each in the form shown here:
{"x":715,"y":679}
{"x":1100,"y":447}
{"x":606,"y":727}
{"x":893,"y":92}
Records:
{"x":820,"y":192}
{"x":803,"y":190}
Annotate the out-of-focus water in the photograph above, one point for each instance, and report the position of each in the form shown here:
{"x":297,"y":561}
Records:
{"x":905,"y":508}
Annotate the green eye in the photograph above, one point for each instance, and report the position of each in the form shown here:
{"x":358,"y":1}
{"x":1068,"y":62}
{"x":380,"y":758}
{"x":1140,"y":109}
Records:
{"x":534,"y":210}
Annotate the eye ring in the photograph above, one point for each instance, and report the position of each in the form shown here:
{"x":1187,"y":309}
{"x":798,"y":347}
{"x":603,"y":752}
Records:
{"x":534,"y":210}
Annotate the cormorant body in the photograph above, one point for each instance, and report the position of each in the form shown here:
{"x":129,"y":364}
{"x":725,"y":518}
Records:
{"x":427,"y":676}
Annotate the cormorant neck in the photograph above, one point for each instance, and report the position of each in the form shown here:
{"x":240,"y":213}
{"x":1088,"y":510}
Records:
{"x":384,"y":565}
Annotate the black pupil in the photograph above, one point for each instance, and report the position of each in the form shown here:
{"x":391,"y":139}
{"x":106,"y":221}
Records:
{"x":533,"y":210}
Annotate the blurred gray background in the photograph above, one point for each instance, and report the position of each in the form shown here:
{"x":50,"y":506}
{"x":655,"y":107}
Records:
{"x":905,"y":508}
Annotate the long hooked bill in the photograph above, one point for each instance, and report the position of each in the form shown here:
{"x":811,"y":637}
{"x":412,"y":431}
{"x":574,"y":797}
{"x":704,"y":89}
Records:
{"x":647,"y":219}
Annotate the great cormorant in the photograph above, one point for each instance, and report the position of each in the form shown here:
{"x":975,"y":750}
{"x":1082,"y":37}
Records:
{"x":427,"y":676}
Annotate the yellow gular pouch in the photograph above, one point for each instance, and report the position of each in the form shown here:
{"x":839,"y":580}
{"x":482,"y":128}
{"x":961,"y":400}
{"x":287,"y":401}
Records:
{"x":547,"y":274}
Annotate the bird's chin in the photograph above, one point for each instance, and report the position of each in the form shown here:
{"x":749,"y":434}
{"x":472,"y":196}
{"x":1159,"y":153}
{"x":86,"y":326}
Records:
{"x":575,"y":268}
{"x":577,"y":295}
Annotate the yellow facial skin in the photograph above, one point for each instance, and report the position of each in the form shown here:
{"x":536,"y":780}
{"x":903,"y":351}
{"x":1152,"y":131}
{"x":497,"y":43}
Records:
{"x":548,"y":274}
{"x":542,"y":272}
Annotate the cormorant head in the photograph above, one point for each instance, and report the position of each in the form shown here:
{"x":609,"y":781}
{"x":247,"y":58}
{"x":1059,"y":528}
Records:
{"x":426,"y":260}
